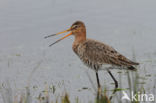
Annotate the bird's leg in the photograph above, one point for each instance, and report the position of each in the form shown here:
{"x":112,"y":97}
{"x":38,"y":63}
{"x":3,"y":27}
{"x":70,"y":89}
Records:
{"x":99,"y":86}
{"x":98,"y":81}
{"x":116,"y":83}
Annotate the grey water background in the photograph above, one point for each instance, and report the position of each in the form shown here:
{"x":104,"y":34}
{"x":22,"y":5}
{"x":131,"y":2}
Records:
{"x":127,"y":25}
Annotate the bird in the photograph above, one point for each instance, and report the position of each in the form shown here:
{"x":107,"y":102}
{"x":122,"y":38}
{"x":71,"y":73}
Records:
{"x":95,"y":54}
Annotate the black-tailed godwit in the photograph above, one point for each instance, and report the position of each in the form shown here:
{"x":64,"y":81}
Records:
{"x":96,"y":55}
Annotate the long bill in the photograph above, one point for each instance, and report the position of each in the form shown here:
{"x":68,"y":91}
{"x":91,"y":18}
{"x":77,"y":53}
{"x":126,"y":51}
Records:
{"x":60,"y":39}
{"x":58,"y":33}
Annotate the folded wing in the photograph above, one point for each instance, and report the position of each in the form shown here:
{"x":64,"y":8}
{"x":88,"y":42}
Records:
{"x":104,"y":54}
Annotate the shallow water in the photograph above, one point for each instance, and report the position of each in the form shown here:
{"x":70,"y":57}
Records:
{"x":128,"y":26}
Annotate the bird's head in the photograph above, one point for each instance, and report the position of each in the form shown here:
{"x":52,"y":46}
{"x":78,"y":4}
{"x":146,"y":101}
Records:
{"x":77,"y":29}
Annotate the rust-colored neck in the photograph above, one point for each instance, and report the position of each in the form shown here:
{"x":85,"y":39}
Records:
{"x":80,"y":36}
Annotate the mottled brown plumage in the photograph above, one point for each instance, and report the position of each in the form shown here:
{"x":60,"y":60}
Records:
{"x":95,"y":54}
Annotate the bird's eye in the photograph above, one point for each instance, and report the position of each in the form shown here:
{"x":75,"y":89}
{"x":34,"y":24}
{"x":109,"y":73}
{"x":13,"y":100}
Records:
{"x":75,"y":26}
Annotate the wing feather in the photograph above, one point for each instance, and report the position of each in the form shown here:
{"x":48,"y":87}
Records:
{"x":104,"y":54}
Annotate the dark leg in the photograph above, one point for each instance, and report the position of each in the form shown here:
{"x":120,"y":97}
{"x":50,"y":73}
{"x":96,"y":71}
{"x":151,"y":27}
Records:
{"x":98,"y":82}
{"x":115,"y":81}
{"x":99,"y":87}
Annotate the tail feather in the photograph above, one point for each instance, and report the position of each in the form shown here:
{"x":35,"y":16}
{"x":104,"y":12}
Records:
{"x":134,"y":63}
{"x":132,"y":68}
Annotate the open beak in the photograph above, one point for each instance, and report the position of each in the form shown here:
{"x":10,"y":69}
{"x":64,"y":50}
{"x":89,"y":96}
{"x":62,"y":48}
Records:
{"x":58,"y":34}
